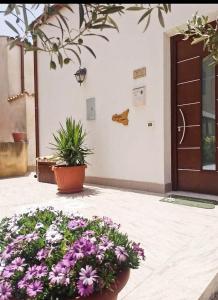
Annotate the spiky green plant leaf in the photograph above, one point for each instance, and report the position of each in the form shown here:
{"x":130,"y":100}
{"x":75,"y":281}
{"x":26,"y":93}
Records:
{"x":69,"y":143}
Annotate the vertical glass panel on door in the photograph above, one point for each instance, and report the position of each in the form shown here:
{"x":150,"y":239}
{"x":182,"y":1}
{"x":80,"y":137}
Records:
{"x":208,"y":115}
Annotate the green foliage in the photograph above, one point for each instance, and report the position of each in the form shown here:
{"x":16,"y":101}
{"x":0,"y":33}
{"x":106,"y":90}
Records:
{"x":146,"y":16}
{"x":69,"y":143}
{"x":199,"y":31}
{"x":67,"y":41}
{"x":209,"y":149}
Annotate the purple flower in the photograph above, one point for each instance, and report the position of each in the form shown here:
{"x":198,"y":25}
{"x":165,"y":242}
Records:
{"x":88,"y":233}
{"x":88,"y":275}
{"x":67,"y":281}
{"x":100,"y":255}
{"x":105,"y":244}
{"x":89,"y":248}
{"x":63,"y":265}
{"x":138,"y":250}
{"x":75,"y":224}
{"x":83,"y":247}
{"x":62,"y":268}
{"x":42,"y":254}
{"x":68,"y":260}
{"x":84,"y":290}
{"x":121,"y":253}
{"x":23,"y":283}
{"x":77,"y":253}
{"x":31,"y":272}
{"x":19,"y":238}
{"x":5,"y":291}
{"x":80,"y":243}
{"x":8,"y":252}
{"x":58,"y":276}
{"x":41,"y":271}
{"x":31,"y":237}
{"x":108,"y":222}
{"x":34,"y":288}
{"x":8,"y":271}
{"x":18,"y":263}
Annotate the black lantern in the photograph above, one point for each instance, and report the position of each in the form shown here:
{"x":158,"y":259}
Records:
{"x":80,"y":75}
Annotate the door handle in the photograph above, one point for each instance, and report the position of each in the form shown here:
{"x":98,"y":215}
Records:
{"x":183,"y":133}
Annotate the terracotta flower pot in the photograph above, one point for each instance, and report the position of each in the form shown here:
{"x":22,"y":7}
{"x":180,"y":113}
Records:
{"x":119,"y":284}
{"x":19,"y":136}
{"x":69,"y":179}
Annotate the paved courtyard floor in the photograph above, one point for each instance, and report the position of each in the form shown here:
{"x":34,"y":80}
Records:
{"x":180,"y":242}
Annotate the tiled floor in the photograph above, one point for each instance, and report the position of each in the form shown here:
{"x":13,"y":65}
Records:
{"x":180,"y":242}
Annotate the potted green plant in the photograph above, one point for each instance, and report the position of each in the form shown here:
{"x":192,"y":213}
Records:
{"x":46,"y":254}
{"x":69,"y":146}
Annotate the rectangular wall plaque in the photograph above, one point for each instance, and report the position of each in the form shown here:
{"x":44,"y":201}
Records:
{"x":138,"y":73}
{"x":90,"y":108}
{"x":139,"y":96}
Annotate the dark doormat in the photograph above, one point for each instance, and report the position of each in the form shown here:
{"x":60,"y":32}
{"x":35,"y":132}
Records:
{"x":190,"y":201}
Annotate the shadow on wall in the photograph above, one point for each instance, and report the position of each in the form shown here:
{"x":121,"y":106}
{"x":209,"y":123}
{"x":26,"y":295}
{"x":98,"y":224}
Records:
{"x":13,"y":113}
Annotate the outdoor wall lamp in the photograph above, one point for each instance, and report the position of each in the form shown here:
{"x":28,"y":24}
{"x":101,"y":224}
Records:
{"x":80,"y":75}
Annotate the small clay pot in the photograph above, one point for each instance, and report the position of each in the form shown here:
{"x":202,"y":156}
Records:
{"x":69,"y":179}
{"x":19,"y":136}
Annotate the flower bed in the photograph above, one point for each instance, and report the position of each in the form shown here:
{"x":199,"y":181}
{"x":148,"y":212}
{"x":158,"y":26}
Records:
{"x":46,"y":254}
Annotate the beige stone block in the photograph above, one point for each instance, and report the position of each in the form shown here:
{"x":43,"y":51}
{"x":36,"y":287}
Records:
{"x":13,"y":159}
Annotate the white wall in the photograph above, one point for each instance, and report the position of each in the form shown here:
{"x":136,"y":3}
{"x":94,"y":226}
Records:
{"x":134,"y":152}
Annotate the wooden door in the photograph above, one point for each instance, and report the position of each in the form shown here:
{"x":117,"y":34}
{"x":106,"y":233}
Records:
{"x":194,"y":118}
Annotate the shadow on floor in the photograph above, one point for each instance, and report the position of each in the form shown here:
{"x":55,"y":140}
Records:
{"x":126,"y":189}
{"x":87,"y":192}
{"x":211,"y":292}
{"x":28,"y":174}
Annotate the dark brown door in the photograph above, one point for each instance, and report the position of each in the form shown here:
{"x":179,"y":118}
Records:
{"x":194,"y":118}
